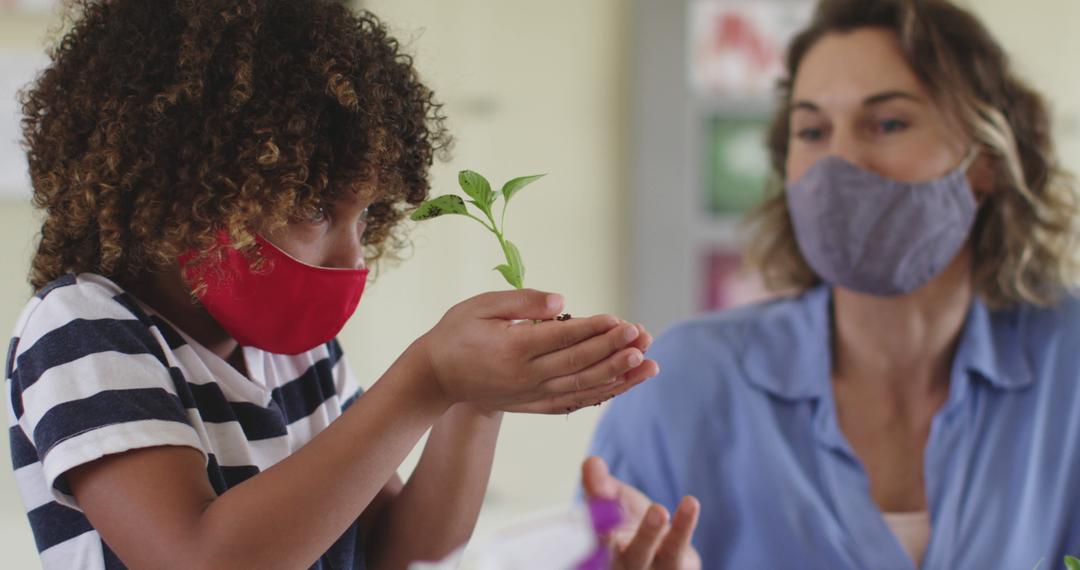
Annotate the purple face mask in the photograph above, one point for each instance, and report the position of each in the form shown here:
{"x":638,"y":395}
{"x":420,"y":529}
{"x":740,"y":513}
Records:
{"x":871,"y":234}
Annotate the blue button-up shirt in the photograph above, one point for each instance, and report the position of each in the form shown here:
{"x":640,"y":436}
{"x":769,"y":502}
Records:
{"x":742,"y":416}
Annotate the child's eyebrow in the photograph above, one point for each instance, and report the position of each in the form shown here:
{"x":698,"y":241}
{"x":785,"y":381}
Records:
{"x":364,"y":189}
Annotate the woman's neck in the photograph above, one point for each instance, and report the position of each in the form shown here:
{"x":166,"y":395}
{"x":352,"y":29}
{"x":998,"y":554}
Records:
{"x":902,"y":345}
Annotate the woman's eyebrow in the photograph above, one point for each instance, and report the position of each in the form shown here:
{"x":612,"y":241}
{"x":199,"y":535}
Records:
{"x":803,"y":105}
{"x":876,"y":99}
{"x":886,"y":96}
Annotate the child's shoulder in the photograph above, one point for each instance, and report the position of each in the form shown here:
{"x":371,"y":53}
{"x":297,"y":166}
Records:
{"x":88,"y":286}
{"x":86,"y":297}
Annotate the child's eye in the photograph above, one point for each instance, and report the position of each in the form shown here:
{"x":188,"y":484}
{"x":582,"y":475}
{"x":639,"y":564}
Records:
{"x":311,"y":216}
{"x":361,"y":224}
{"x":318,"y":215}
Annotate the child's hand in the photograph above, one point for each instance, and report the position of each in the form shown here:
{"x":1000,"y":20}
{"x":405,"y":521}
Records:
{"x":479,"y":353}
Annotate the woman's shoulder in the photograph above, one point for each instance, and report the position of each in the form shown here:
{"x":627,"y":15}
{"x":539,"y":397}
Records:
{"x":1060,"y":319}
{"x":732,"y":358}
{"x":783,"y":319}
{"x":1033,"y":344}
{"x":761,"y":341}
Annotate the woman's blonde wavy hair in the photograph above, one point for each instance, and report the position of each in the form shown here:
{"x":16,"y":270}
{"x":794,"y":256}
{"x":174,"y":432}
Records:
{"x":1026,"y":234}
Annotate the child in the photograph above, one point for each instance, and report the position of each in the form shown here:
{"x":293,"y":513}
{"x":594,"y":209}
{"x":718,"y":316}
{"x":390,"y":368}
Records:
{"x":213,"y":176}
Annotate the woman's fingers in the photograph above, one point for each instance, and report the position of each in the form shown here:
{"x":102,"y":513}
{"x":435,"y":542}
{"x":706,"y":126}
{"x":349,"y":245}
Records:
{"x":675,"y":552}
{"x":596,"y":479}
{"x":639,"y":553}
{"x":645,"y":540}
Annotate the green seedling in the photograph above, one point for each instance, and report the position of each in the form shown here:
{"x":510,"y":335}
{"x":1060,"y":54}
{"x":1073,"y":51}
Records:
{"x":1071,"y":563}
{"x":477,"y":188}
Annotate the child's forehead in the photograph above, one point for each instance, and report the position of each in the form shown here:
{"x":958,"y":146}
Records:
{"x":352,"y":192}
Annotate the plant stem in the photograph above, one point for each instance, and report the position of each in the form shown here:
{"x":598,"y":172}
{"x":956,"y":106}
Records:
{"x":483,"y":223}
{"x":498,"y":233}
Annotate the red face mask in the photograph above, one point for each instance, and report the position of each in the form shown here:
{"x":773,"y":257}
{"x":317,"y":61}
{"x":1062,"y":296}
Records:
{"x":287,"y":307}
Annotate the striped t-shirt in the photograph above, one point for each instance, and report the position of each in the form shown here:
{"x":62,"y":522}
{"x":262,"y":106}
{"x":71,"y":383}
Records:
{"x":91,"y":371}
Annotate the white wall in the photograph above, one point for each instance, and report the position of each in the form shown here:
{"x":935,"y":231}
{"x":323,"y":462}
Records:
{"x":1042,"y":37}
{"x":530,"y":87}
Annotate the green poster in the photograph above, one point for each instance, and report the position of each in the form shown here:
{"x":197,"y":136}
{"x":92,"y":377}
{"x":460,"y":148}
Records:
{"x":737,"y":163}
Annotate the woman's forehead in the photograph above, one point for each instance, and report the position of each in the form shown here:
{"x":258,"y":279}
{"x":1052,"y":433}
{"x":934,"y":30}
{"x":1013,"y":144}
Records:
{"x":844,"y":69}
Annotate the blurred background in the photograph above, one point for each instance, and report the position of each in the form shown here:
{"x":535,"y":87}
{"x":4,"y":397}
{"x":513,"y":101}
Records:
{"x":648,"y":118}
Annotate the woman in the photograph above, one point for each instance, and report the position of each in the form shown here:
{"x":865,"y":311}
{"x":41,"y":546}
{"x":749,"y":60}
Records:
{"x":915,"y":404}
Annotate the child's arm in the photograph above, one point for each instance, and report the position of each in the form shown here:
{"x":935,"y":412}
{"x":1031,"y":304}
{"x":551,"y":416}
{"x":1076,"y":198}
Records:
{"x":443,"y":497}
{"x":155,"y":507}
{"x":437,"y":509}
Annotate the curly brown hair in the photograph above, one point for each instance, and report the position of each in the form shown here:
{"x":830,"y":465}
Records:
{"x":1026,"y":236}
{"x":160,"y":124}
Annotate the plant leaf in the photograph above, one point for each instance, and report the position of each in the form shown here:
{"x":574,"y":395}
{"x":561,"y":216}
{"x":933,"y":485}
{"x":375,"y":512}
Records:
{"x":482,"y":207}
{"x":513,"y":257}
{"x":1072,"y":563}
{"x":445,"y":204}
{"x":510,"y":275}
{"x":512,"y":187}
{"x":478,"y":188}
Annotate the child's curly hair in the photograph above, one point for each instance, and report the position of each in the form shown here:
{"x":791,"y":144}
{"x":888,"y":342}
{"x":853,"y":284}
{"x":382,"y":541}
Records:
{"x":159,"y":124}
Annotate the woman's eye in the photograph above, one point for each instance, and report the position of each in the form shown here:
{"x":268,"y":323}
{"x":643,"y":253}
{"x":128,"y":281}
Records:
{"x":810,"y":134}
{"x":889,"y":126}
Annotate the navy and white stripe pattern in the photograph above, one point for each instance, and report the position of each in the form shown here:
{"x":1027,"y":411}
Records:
{"x":91,"y":372}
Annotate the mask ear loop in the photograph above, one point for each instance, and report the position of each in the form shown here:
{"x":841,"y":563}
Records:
{"x":965,"y":164}
{"x":968,"y":159}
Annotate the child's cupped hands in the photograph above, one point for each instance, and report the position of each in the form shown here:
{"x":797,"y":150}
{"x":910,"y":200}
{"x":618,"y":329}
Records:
{"x":490,"y":351}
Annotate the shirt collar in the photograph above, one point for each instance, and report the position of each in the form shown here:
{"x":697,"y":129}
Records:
{"x":990,"y":346}
{"x":787,"y":351}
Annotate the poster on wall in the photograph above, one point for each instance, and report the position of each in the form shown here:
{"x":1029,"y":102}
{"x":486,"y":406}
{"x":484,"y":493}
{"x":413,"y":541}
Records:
{"x":737,"y":162}
{"x":27,"y":6}
{"x":737,"y":46}
{"x":728,"y":282}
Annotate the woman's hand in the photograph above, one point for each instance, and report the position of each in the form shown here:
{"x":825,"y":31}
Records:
{"x":646,"y":540}
{"x":488,"y":351}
